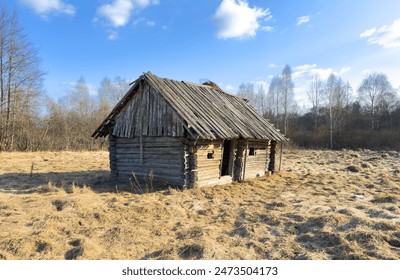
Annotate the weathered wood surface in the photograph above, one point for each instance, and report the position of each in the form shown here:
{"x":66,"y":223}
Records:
{"x":112,"y":153}
{"x":179,"y":161}
{"x":271,"y":164}
{"x":255,"y":164}
{"x":157,"y":106}
{"x":213,"y":113}
{"x":148,"y":114}
{"x":157,"y":158}
{"x":208,"y":171}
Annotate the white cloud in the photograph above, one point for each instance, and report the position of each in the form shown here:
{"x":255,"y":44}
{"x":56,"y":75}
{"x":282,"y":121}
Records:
{"x":235,"y":19}
{"x":307,"y":71}
{"x":387,"y":36}
{"x":344,"y":70}
{"x":144,"y":21}
{"x":229,"y":88}
{"x":118,"y":12}
{"x":267,"y":28}
{"x":302,"y":20}
{"x":112,"y":35}
{"x":45,"y":7}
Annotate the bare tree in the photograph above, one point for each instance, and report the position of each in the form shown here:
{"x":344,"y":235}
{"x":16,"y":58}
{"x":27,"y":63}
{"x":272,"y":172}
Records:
{"x":330,"y":93}
{"x":256,"y":98}
{"x":286,"y":90}
{"x":273,"y":99}
{"x":316,"y":97}
{"x":373,"y":89}
{"x":246,"y":90}
{"x":341,"y":101}
{"x":20,"y":78}
{"x":110,"y":92}
{"x":261,"y":100}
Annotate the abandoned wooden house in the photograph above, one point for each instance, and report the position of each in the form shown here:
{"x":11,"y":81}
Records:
{"x":187,"y":134}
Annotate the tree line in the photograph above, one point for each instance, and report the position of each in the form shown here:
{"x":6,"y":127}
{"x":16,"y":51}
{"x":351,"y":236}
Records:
{"x":339,"y":117}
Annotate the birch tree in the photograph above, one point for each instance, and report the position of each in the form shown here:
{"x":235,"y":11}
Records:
{"x":273,"y":99}
{"x":330,"y":93}
{"x":315,"y":95}
{"x":286,"y":90}
{"x":374,"y":88}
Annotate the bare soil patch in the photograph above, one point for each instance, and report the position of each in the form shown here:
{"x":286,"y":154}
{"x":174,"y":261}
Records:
{"x":322,"y":205}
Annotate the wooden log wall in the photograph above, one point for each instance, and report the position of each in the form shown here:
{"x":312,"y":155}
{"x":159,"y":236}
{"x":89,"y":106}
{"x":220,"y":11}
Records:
{"x":272,"y":155}
{"x":112,"y":153}
{"x":239,"y":160}
{"x":251,"y":166}
{"x":163,"y":157}
{"x":148,"y":114}
{"x":190,"y":173}
{"x":255,"y":164}
{"x":208,"y":170}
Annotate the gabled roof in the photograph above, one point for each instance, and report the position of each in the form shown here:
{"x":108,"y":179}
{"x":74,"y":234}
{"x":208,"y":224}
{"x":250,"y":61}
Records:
{"x":207,"y":110}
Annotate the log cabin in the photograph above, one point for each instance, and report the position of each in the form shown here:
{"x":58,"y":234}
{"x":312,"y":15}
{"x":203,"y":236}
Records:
{"x":187,"y":134}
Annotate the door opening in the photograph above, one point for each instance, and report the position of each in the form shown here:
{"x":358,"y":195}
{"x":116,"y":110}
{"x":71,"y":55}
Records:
{"x":226,"y":166}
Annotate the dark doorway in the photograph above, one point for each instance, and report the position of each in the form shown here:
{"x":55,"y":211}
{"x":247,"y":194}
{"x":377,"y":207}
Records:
{"x":226,"y":159}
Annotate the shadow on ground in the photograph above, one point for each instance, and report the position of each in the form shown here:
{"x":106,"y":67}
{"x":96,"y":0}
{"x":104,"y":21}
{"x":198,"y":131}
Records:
{"x":97,"y":180}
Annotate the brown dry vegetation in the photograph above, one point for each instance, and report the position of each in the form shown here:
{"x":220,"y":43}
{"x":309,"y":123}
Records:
{"x":323,"y":205}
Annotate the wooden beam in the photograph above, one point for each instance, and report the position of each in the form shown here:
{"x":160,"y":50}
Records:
{"x":245,"y":159}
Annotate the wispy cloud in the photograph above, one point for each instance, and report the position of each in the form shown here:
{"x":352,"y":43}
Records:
{"x":112,"y":35}
{"x":306,"y":71}
{"x":46,"y":7}
{"x":144,"y":21}
{"x":302,"y":20}
{"x":118,"y":12}
{"x":273,"y":65}
{"x":229,"y":88}
{"x":387,"y":36}
{"x":236,"y":19}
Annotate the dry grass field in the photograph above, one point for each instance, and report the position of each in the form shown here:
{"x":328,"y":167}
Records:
{"x":323,"y":205}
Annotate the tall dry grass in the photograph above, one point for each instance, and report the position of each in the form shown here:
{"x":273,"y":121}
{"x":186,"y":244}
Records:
{"x":323,"y":205}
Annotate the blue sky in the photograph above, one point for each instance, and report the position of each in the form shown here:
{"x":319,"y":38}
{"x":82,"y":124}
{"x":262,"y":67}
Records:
{"x":228,"y":42}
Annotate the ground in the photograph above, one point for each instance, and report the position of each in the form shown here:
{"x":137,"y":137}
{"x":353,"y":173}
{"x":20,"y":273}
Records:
{"x":322,"y":205}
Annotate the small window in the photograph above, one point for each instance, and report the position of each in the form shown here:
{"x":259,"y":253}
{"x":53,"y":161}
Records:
{"x":252,"y":152}
{"x":210,"y":155}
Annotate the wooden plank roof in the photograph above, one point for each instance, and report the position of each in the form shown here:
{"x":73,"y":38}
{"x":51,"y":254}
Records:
{"x":208,"y":111}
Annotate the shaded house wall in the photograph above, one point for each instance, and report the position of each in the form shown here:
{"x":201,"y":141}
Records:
{"x":224,"y":161}
{"x":162,"y":158}
{"x":177,"y":161}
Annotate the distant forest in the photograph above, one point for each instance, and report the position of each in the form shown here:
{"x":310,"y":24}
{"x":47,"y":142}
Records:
{"x":340,"y":116}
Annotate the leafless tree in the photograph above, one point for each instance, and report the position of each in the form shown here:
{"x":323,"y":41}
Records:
{"x":374,"y":88}
{"x":110,"y":92}
{"x":316,"y":97}
{"x":341,"y":101}
{"x":273,"y":100}
{"x":261,"y":100}
{"x":286,"y":91}
{"x":330,"y":93}
{"x":257,"y":98}
{"x":20,"y":78}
